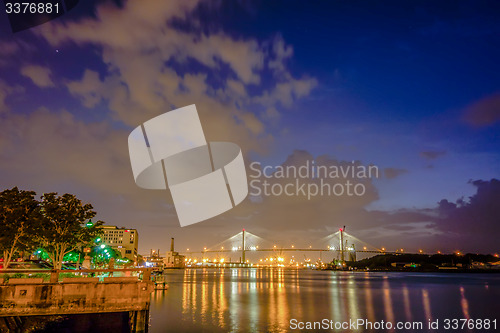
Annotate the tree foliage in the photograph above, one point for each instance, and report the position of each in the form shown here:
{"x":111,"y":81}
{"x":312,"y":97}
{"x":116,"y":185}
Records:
{"x":19,"y":221}
{"x":63,"y":225}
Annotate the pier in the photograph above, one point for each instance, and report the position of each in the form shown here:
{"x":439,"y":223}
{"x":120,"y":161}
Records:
{"x":89,"y":292}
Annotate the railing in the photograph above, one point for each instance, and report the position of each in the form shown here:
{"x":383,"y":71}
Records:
{"x":144,"y":274}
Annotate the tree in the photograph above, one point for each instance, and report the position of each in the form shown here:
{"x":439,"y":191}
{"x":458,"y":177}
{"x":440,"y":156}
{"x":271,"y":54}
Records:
{"x":65,"y":225}
{"x":19,"y":220}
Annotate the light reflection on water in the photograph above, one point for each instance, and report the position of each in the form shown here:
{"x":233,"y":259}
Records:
{"x":265,"y":300}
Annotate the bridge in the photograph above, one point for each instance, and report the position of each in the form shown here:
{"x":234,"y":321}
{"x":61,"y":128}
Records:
{"x":342,"y":244}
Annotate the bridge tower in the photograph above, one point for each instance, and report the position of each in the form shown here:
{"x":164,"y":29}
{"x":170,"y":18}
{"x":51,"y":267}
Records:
{"x":342,"y":246}
{"x":243,"y":247}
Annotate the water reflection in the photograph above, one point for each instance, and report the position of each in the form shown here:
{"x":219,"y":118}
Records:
{"x":249,"y":300}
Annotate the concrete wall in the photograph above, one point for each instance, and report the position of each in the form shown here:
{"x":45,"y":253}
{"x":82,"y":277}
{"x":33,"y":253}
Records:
{"x":73,"y":297}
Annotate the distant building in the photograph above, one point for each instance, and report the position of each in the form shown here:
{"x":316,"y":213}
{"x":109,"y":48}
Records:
{"x":154,"y":259}
{"x":124,"y":241}
{"x":173,"y":259}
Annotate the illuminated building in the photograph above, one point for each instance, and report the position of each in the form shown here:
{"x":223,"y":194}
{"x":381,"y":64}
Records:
{"x":124,"y":241}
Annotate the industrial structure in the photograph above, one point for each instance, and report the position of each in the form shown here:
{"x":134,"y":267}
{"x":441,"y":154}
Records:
{"x":173,"y":259}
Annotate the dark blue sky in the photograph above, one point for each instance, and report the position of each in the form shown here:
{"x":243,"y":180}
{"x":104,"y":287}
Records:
{"x":410,"y":86}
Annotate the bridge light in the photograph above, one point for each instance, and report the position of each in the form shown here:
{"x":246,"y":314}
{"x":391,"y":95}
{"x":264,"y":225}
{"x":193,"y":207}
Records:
{"x":420,"y":251}
{"x":187,"y":249}
{"x":253,"y":248}
{"x":222,"y":248}
{"x":383,"y":249}
{"x":235,"y":248}
{"x":402,"y":250}
{"x":204,"y":248}
{"x":274,"y":246}
{"x":292,"y":246}
{"x":222,"y":260}
{"x":364,"y":247}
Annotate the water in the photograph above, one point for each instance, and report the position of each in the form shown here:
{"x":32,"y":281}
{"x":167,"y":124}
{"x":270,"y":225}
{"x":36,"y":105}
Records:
{"x":266,"y":300}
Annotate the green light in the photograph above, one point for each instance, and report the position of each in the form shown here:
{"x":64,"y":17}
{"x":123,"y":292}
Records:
{"x":98,"y":239}
{"x":103,"y":246}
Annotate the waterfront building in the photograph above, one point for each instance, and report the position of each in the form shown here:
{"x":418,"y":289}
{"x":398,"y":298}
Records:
{"x":125,"y":241}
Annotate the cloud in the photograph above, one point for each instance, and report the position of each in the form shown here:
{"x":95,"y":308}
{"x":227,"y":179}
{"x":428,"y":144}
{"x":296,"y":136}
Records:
{"x":391,"y":173}
{"x":297,"y":213}
{"x":473,"y":221}
{"x":8,"y":48}
{"x":5,"y":91}
{"x":174,"y":67}
{"x":41,"y":76}
{"x":484,"y":112}
{"x":54,"y":151}
{"x":432,"y":154}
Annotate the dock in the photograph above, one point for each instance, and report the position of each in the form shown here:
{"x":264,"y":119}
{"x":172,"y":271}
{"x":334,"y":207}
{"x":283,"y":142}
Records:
{"x":88,"y":292}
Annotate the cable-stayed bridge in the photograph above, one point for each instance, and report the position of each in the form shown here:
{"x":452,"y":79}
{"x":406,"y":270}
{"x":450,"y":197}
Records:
{"x":342,"y":244}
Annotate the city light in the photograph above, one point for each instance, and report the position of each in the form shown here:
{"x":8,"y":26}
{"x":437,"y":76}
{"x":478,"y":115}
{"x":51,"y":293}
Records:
{"x":253,"y":248}
{"x":235,"y":248}
{"x":103,"y":246}
{"x":420,"y":251}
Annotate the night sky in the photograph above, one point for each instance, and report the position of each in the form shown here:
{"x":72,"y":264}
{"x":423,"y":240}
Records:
{"x":412,"y":87}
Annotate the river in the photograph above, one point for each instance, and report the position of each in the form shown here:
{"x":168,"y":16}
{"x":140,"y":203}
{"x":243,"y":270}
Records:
{"x":282,"y":300}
